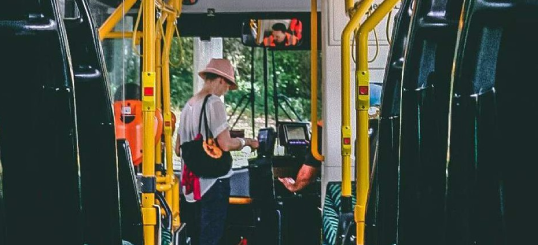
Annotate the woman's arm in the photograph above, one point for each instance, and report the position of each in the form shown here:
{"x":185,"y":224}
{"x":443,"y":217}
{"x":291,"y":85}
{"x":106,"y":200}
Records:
{"x":219,"y":126}
{"x":227,"y":143}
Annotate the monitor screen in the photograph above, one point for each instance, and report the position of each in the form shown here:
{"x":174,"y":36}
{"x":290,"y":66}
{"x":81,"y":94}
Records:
{"x":262,"y":135}
{"x":266,"y":138}
{"x":295,"y":132}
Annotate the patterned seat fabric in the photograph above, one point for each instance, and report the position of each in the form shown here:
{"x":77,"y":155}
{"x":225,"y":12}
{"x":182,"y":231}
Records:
{"x":332,"y":209}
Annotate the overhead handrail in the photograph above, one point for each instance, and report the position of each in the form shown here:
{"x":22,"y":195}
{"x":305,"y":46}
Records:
{"x":362,"y":146}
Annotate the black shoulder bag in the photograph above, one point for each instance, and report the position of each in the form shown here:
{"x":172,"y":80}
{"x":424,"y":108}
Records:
{"x":204,"y":157}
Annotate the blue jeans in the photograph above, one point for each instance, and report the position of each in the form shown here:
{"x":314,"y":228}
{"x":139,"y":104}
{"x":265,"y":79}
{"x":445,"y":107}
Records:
{"x":212,"y":211}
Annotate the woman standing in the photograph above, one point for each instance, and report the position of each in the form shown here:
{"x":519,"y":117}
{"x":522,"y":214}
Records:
{"x":210,"y":194}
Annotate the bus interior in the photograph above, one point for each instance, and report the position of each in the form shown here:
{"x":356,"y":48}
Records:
{"x":413,"y":108}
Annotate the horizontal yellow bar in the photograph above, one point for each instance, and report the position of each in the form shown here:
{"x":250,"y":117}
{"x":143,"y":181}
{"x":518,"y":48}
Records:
{"x":115,"y":17}
{"x":240,"y":200}
{"x":116,"y":34}
{"x":165,"y":187}
{"x":168,"y":179}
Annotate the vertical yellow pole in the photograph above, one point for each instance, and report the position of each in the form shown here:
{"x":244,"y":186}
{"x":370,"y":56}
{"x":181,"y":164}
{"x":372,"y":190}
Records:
{"x":346,"y":107}
{"x":314,"y":78}
{"x":158,"y":88}
{"x":350,"y":8}
{"x":363,"y":104}
{"x":172,"y":195}
{"x":149,"y":215}
{"x":176,"y":219}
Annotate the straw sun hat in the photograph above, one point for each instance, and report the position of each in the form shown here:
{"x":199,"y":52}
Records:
{"x":221,"y":67}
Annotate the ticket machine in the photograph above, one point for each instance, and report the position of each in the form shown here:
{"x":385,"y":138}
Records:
{"x":276,"y":214}
{"x":294,"y":137}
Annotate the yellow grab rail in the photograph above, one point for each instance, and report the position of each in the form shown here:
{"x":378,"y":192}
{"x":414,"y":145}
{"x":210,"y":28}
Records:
{"x":346,"y":94}
{"x":115,"y":17}
{"x":314,"y":79}
{"x":362,"y":106}
{"x":155,"y":82}
{"x":149,"y":213}
{"x":350,"y":7}
{"x":158,"y":93}
{"x":129,"y":34}
{"x":167,"y":113}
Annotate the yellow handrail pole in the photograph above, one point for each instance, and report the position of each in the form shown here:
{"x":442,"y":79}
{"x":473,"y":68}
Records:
{"x":167,"y":8}
{"x":164,"y":188}
{"x":169,"y":33}
{"x":176,"y":219}
{"x":158,"y":86}
{"x":171,"y":196}
{"x":346,"y":94}
{"x":149,"y":213}
{"x":350,"y":7}
{"x":314,"y":79}
{"x":115,"y":17}
{"x":363,"y":104}
{"x":120,"y":35}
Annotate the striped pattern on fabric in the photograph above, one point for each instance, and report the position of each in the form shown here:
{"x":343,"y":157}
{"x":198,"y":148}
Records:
{"x":332,"y":209}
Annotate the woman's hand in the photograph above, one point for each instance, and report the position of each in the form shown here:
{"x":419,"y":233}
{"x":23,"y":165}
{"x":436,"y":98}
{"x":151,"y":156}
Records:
{"x":253,"y":143}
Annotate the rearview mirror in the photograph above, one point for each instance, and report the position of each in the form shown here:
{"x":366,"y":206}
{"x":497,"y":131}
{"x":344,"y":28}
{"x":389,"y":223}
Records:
{"x":275,"y":33}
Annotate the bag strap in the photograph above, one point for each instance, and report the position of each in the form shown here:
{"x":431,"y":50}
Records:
{"x":204,"y":115}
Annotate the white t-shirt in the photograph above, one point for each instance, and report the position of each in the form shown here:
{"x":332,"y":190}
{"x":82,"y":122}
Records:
{"x":188,"y":129}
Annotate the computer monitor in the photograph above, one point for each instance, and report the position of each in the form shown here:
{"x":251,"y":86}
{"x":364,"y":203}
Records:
{"x":294,"y":137}
{"x":295,"y":132}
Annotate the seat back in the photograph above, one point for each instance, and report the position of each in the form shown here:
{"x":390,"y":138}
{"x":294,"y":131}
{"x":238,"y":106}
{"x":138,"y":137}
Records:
{"x":128,"y":118}
{"x":424,"y":120}
{"x":332,"y":209}
{"x":2,"y":211}
{"x":131,"y":216}
{"x":493,"y":132}
{"x":95,"y":121}
{"x":381,"y":216}
{"x":41,"y":182}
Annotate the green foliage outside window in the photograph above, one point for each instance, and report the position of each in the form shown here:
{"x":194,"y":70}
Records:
{"x":292,"y":71}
